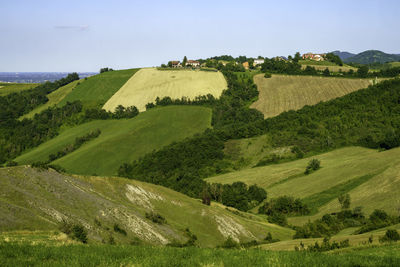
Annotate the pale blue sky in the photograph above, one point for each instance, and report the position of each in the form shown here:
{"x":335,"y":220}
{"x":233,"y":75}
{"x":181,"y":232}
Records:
{"x":86,"y":35}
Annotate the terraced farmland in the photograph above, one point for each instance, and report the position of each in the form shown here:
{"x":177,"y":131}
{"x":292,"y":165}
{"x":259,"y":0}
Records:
{"x":122,"y":140}
{"x":283,"y":93}
{"x":148,"y":84}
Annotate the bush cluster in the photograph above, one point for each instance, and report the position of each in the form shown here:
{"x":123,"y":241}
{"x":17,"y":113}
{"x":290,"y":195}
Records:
{"x":155,"y":217}
{"x":325,"y":246}
{"x":279,"y":208}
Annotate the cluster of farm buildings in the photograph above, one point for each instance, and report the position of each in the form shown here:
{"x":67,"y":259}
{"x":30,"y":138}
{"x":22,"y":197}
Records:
{"x":246,"y":65}
{"x":316,"y":57}
{"x":191,"y":63}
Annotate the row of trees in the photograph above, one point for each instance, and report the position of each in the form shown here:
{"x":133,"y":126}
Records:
{"x":292,"y":67}
{"x":331,"y":224}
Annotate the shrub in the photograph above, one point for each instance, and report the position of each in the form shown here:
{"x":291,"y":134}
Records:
{"x":344,"y":201}
{"x":267,"y":75}
{"x":278,"y":218}
{"x":269,"y":239}
{"x":284,"y":205}
{"x":155,"y":217}
{"x":12,"y":163}
{"x":296,"y":150}
{"x":119,"y":230}
{"x":230,"y":243}
{"x":390,"y":235}
{"x":75,"y":231}
{"x":313,"y":165}
{"x":79,"y":233}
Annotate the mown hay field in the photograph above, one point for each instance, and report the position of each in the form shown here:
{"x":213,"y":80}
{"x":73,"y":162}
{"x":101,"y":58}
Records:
{"x":122,"y":141}
{"x":8,"y":88}
{"x":148,"y":84}
{"x":282,"y":93}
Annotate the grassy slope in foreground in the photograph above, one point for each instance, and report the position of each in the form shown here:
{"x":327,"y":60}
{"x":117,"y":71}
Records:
{"x":54,"y":98}
{"x":148,"y":84}
{"x":283,"y":93}
{"x":39,"y":200}
{"x":123,"y":140}
{"x":380,"y":190}
{"x":107,"y":255}
{"x":96,"y":90}
{"x":8,"y":88}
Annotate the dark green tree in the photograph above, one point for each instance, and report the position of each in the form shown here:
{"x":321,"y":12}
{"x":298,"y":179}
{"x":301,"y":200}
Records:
{"x":363,"y":71}
{"x":297,"y":57}
{"x":326,"y":72}
{"x":184,"y":61}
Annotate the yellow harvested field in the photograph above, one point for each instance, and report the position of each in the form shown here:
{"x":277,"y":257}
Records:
{"x":148,"y":84}
{"x":283,"y":93}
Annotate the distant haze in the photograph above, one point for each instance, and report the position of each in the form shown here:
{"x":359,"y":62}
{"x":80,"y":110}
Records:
{"x":83,"y":36}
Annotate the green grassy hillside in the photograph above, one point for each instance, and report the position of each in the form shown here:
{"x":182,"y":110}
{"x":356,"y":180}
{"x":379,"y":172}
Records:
{"x":122,"y":140}
{"x":34,"y":199}
{"x":96,"y":90}
{"x":8,"y":88}
{"x":54,"y":98}
{"x":12,"y":254}
{"x":370,"y":177}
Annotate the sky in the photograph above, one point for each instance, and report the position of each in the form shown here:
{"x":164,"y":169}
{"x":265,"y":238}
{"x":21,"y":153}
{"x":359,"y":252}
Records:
{"x":86,"y":35}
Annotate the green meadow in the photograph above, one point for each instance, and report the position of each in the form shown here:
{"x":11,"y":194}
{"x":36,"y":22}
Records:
{"x":123,"y":140}
{"x":367,"y":175}
{"x":96,"y":90}
{"x":107,"y":255}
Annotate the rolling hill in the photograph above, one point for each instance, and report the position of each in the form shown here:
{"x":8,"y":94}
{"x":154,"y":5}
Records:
{"x":33,"y":199}
{"x":147,"y":84}
{"x":370,"y":177}
{"x":372,"y":56}
{"x":122,"y":141}
{"x":343,"y":54}
{"x":97,"y":89}
{"x":283,"y":93}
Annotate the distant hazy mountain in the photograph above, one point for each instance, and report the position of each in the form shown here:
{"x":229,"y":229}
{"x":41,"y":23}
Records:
{"x":343,"y":54}
{"x":372,"y":56}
